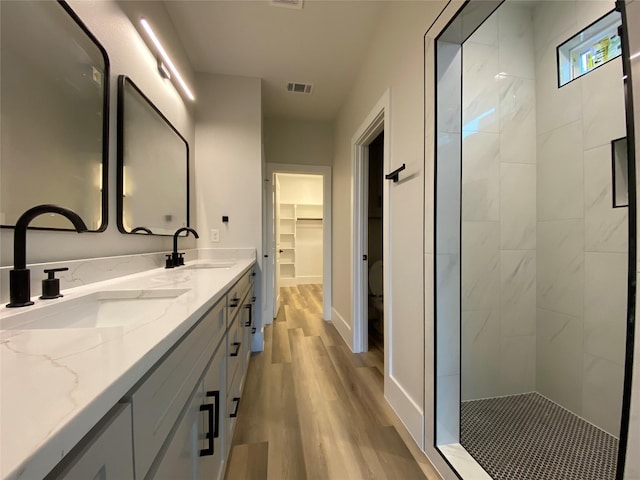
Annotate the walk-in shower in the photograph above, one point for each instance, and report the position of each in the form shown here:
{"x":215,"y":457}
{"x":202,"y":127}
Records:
{"x":532,"y":240}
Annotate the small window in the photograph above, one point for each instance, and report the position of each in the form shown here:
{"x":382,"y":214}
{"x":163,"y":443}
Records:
{"x":594,"y":46}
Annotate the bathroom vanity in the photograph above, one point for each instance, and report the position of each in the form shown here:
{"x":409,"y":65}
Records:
{"x":135,"y":377}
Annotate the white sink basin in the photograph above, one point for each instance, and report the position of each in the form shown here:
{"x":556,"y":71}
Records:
{"x":198,"y":266}
{"x":109,"y":308}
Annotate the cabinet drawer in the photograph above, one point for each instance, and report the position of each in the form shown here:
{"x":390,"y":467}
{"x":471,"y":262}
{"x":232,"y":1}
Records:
{"x":233,"y":405}
{"x":107,"y":453}
{"x":237,"y":294}
{"x":160,"y":398}
{"x":247,"y":326}
{"x":234,"y":350}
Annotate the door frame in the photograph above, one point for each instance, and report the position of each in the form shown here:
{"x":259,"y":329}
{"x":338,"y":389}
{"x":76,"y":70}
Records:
{"x":275,"y":241}
{"x":376,"y":122}
{"x":325,"y":171}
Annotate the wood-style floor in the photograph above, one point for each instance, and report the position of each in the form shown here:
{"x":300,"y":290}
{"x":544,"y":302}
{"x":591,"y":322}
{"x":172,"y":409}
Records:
{"x":311,"y":409}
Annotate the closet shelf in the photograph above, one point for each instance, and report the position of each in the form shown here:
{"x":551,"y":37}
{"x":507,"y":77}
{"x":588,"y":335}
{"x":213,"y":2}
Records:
{"x":309,"y":218}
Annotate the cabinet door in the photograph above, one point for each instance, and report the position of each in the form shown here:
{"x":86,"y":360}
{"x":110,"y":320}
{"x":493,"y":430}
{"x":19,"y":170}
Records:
{"x":179,"y":460}
{"x":108,"y":454}
{"x":161,"y":398}
{"x":211,"y":436}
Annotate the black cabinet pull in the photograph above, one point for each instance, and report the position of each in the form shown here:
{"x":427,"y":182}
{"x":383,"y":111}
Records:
{"x":213,"y":410}
{"x":234,"y":302}
{"x":253,"y":330}
{"x":250,"y":321}
{"x":235,"y":410}
{"x":237,"y":345}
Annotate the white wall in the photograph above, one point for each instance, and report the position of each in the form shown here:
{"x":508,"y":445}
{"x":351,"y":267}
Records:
{"x":300,"y":189}
{"x":128,"y":54}
{"x":229,"y":163}
{"x":298,"y":142}
{"x":228,"y":160}
{"x":394,"y":62}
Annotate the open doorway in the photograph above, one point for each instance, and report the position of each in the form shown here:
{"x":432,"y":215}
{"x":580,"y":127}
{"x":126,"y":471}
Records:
{"x":299,"y":202}
{"x":375,"y":310}
{"x":298,"y":232}
{"x":371,"y":210}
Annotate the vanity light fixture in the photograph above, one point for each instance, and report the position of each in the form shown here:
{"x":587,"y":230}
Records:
{"x":165,"y":57}
{"x":164,"y":71}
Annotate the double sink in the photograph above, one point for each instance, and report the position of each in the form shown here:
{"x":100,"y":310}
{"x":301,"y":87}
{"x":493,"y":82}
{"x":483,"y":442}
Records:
{"x":102,"y":309}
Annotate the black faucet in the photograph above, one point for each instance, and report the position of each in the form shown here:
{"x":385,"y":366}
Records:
{"x":142,"y":229}
{"x":19,"y":277}
{"x":176,"y":258}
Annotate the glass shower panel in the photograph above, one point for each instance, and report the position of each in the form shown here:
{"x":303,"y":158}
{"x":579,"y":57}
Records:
{"x":543,"y":253}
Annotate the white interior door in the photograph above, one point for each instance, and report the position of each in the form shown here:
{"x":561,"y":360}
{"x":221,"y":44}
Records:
{"x":276,"y":250}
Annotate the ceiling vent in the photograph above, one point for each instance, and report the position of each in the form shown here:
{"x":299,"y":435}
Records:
{"x":288,"y":3}
{"x":295,"y":87}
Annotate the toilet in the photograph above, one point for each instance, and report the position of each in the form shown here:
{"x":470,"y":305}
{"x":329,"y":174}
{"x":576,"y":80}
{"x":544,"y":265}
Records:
{"x":376,"y":289}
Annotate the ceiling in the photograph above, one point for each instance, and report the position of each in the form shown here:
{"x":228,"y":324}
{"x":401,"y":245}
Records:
{"x":322,"y":44}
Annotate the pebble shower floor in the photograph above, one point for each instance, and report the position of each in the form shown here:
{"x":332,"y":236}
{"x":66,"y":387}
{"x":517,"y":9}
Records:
{"x":528,"y":437}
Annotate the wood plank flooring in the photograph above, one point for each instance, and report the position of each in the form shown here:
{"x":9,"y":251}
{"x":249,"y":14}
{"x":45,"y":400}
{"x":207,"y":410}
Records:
{"x":312,"y":410}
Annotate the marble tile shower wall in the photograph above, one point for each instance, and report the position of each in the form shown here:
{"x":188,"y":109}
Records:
{"x":581,"y":240}
{"x":499,"y":207}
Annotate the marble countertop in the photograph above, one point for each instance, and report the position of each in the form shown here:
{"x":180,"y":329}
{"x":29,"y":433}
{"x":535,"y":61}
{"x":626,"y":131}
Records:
{"x":56,"y":384}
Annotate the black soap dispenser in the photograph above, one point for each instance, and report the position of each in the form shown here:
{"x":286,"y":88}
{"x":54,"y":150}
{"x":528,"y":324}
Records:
{"x":51,"y":284}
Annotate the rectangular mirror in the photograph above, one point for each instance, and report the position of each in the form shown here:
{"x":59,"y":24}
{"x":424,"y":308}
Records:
{"x":153,"y":167}
{"x":54,"y":87}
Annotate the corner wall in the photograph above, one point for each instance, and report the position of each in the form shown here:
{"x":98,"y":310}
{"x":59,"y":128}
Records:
{"x":229,"y":164}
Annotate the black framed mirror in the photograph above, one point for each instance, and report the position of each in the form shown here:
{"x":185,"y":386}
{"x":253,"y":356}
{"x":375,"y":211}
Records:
{"x":153,"y":166}
{"x":55,"y":115}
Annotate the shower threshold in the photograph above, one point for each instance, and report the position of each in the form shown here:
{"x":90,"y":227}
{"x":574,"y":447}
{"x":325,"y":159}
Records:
{"x":528,"y":437}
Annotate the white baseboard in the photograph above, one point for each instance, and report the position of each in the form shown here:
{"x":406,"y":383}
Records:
{"x":292,"y":282}
{"x":410,"y":413}
{"x":311,"y":279}
{"x":344,"y":329}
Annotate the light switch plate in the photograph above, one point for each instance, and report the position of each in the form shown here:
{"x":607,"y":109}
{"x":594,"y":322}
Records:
{"x":215,"y":235}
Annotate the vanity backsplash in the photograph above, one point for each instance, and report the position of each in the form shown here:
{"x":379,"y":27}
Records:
{"x":84,"y":272}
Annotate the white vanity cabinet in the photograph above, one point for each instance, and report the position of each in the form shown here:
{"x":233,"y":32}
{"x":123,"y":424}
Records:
{"x":177,"y":422}
{"x":177,"y":460}
{"x":195,"y":452}
{"x":239,"y":339}
{"x":105,"y":454}
{"x":160,"y":398}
